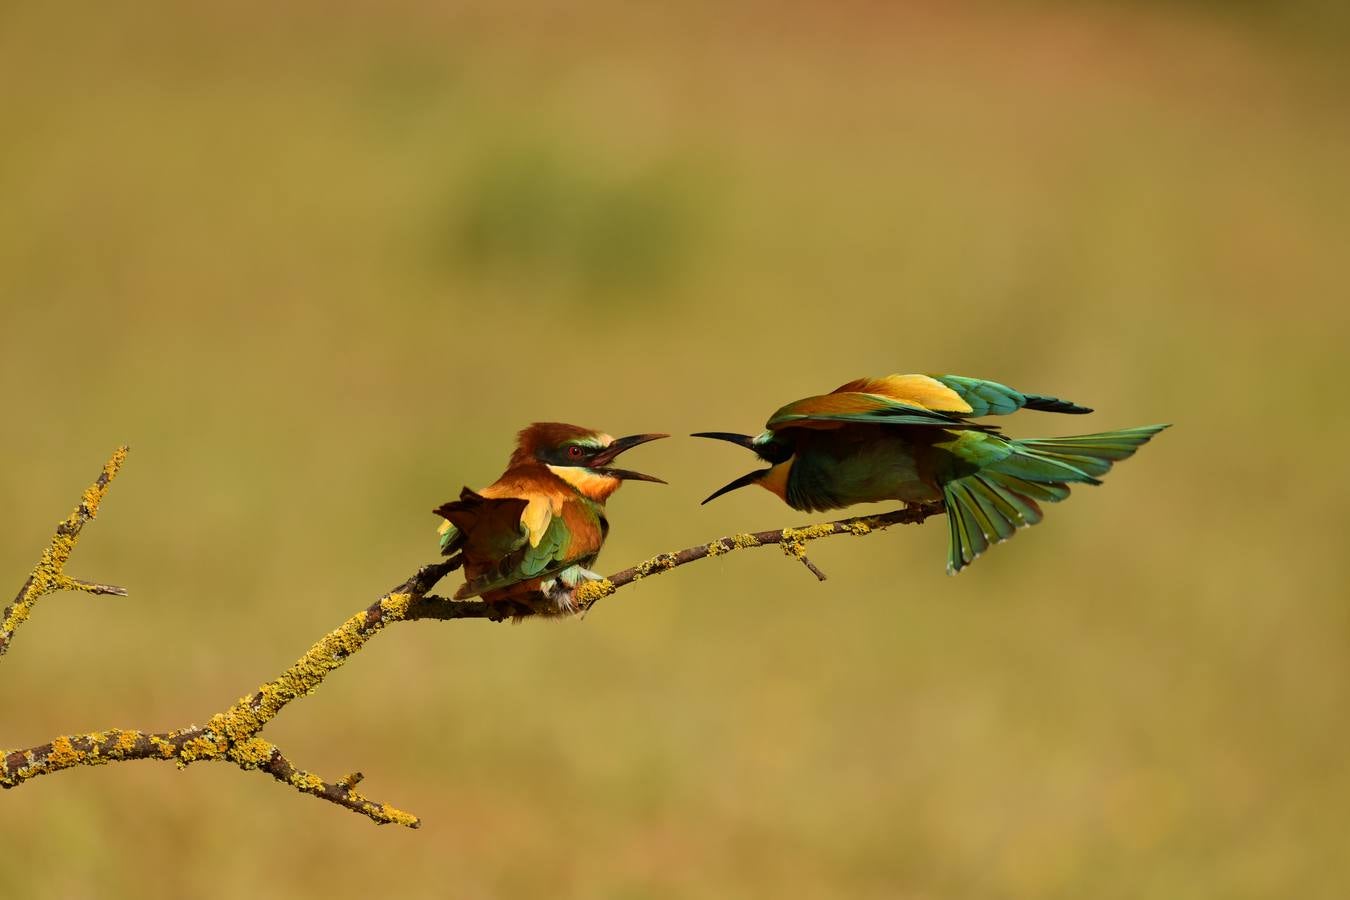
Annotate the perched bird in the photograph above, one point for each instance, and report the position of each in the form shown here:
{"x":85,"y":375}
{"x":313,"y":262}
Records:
{"x":539,"y":527}
{"x":909,"y":438}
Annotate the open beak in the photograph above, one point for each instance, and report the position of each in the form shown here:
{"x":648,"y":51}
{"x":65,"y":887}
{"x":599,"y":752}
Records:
{"x":747,"y":479}
{"x":600,"y":461}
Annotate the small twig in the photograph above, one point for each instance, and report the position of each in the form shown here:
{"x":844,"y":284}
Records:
{"x":49,"y":575}
{"x":806,"y":561}
{"x":94,"y":587}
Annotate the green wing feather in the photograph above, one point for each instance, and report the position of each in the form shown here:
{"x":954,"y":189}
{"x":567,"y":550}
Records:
{"x":993,"y":485}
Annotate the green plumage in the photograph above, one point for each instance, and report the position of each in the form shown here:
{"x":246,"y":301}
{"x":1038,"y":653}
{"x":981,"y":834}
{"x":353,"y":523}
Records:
{"x":1009,"y":477}
{"x":911,"y":438}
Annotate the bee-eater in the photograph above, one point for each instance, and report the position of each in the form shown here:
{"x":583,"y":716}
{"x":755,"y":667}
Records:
{"x":539,"y":527}
{"x":909,"y":438}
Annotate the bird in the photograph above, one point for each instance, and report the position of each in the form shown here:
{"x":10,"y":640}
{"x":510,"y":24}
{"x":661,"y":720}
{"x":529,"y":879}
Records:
{"x":910,"y":438}
{"x":539,"y":527}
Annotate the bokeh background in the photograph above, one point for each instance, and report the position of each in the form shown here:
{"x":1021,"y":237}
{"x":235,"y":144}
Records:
{"x":317,"y":263}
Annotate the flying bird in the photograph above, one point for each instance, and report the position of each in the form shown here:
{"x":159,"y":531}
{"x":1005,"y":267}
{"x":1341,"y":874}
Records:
{"x":910,"y":438}
{"x":539,"y":527}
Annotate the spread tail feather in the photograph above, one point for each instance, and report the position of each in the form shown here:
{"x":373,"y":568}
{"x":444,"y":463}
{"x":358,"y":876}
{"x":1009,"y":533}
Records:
{"x":990,"y":505}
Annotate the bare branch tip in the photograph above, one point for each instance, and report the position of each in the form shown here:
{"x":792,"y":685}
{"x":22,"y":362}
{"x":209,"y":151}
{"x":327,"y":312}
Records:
{"x":93,"y":587}
{"x":806,"y":561}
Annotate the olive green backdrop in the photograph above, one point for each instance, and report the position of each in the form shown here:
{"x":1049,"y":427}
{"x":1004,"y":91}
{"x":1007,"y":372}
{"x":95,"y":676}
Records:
{"x":317,"y":264}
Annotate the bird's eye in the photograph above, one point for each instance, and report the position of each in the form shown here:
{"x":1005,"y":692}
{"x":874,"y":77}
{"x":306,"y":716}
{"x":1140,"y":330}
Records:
{"x":574,"y":452}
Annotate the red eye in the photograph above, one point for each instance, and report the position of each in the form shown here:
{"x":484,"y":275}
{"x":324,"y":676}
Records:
{"x":574,"y":452}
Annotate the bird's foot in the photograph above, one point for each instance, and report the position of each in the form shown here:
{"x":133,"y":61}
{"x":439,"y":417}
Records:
{"x":575,"y":575}
{"x":561,"y":589}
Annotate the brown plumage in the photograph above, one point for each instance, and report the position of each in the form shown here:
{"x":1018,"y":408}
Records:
{"x":539,"y":527}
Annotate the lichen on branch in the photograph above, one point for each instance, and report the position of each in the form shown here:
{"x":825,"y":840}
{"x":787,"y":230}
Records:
{"x":49,"y":575}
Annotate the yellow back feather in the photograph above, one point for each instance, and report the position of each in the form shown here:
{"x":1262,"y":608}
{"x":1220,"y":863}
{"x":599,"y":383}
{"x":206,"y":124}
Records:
{"x":917,"y":389}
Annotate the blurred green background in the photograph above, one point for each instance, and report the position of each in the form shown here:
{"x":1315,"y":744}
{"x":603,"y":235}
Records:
{"x":318,"y":262}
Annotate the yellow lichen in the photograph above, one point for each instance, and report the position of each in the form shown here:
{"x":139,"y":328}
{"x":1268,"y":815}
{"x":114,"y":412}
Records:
{"x":93,"y":495}
{"x":590,"y":591}
{"x":395,"y":606}
{"x":125,"y":743}
{"x":743,"y":540}
{"x":306,"y":782}
{"x":198,"y":748}
{"x":251,"y":753}
{"x":717,"y":548}
{"x":858,"y":527}
{"x":18,"y":614}
{"x":397,"y":816}
{"x":64,"y":755}
{"x":793,"y":540}
{"x":662,"y":563}
{"x":44,"y":579}
{"x":809,"y":533}
{"x":114,"y":464}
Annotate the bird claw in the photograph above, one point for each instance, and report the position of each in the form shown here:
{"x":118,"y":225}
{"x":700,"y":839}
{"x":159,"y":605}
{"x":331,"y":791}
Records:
{"x":561,"y":589}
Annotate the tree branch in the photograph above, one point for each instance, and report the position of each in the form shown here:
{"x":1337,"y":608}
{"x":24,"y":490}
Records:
{"x":49,"y":575}
{"x":232,"y":735}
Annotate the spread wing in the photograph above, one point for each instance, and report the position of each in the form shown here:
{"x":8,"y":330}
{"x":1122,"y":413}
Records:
{"x":945,"y":401}
{"x":505,"y":540}
{"x":960,"y":396}
{"x":852,"y":405}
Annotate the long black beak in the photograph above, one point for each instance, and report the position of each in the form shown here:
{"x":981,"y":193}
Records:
{"x":747,"y":479}
{"x":599,"y":461}
{"x":740,"y":440}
